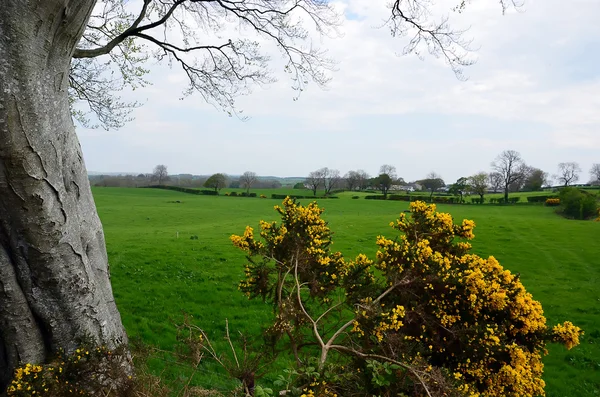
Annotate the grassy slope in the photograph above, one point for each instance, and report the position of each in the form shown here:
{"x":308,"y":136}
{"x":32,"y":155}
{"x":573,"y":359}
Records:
{"x":156,"y":275}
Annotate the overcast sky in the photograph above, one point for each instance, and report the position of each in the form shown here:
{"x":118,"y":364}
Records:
{"x":535,"y":89}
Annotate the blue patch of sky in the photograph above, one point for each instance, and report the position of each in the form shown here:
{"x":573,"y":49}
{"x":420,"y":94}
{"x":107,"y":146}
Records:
{"x":581,"y":61}
{"x":352,"y":16}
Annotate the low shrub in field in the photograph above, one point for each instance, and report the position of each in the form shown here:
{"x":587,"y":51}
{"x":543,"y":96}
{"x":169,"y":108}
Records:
{"x":398,"y":197}
{"x":445,"y":199}
{"x":500,"y":200}
{"x":578,"y":204}
{"x":552,"y":202}
{"x":355,"y":197}
{"x":424,"y":317}
{"x":263,"y":196}
{"x":540,"y":199}
{"x":185,"y":190}
{"x":283,"y":196}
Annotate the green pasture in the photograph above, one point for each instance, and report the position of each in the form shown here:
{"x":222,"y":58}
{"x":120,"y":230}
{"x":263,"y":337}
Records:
{"x":160,"y":270}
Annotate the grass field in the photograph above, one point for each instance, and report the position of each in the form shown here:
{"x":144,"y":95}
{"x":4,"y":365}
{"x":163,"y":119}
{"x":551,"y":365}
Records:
{"x":158,"y":271}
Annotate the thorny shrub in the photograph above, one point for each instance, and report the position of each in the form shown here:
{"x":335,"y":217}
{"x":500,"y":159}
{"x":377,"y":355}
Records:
{"x":424,"y":317}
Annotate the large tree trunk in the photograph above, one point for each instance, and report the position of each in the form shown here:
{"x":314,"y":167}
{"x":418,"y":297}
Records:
{"x":54,"y":279}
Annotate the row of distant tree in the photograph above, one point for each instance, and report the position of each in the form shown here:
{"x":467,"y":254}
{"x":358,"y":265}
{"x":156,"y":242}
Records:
{"x":160,"y":176}
{"x":509,"y":173}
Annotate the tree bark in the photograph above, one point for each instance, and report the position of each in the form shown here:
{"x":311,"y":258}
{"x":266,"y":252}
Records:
{"x":54,"y":278}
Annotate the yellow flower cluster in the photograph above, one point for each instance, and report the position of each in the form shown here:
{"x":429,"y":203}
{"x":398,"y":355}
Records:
{"x":552,"y":202}
{"x":38,"y":380}
{"x":520,"y":375}
{"x":389,"y":321}
{"x":301,"y":233}
{"x":60,"y":377}
{"x":23,"y":377}
{"x":246,"y":242}
{"x":567,"y":333}
{"x":471,"y":313}
{"x":321,"y":389}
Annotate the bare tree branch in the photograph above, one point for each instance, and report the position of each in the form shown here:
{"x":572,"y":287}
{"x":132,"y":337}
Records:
{"x":413,"y":18}
{"x":203,"y":37}
{"x":132,"y":30}
{"x":219,"y":72}
{"x":568,"y":173}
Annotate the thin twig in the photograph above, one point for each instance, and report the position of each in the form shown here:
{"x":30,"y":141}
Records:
{"x":231,"y":344}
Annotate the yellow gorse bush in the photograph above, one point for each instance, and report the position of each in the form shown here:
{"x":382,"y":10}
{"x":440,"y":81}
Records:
{"x":75,"y":374}
{"x":448,"y":319}
{"x":552,"y":202}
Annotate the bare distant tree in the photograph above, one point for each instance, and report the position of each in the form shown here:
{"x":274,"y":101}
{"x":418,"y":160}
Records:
{"x":595,"y":173}
{"x":511,"y":168}
{"x":568,"y":173}
{"x":160,"y":174}
{"x":479,"y":183}
{"x":352,"y":180}
{"x":363,"y":179}
{"x":315,"y":180}
{"x":432,"y":182}
{"x":495,"y":181}
{"x":247,"y":180}
{"x":358,"y":179}
{"x":332,"y":179}
{"x":388,"y":170}
{"x":323,"y":177}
